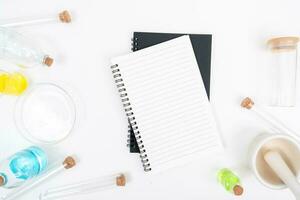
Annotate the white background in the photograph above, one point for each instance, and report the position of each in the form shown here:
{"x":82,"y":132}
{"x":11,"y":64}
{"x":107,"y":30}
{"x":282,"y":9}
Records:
{"x":102,"y":29}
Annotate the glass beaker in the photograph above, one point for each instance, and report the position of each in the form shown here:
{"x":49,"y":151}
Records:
{"x":283,"y":68}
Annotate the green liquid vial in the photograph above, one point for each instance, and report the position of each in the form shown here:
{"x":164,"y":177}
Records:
{"x":230,"y":181}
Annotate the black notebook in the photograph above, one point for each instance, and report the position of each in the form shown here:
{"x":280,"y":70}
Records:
{"x":202,"y":48}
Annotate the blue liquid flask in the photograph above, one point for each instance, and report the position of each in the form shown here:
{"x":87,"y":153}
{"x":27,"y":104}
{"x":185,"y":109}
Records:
{"x":22,"y":166}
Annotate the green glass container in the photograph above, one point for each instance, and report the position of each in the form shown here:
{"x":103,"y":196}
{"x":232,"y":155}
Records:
{"x":230,"y":181}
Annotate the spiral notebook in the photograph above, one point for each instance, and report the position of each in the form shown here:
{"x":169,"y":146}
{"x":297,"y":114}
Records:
{"x":165,"y":101}
{"x":202,"y":48}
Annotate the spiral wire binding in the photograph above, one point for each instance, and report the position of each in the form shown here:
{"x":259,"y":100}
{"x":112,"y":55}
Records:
{"x":129,"y":113}
{"x":134,"y":44}
{"x":130,"y":140}
{"x":128,"y":136}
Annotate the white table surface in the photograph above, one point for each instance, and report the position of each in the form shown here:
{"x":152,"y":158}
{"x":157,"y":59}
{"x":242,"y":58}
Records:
{"x":103,"y":29}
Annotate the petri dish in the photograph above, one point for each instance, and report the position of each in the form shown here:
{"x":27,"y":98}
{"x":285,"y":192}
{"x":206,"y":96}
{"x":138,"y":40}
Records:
{"x":45,"y":114}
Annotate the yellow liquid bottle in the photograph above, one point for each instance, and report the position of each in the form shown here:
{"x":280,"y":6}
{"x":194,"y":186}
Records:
{"x":13,"y":84}
{"x":3,"y":80}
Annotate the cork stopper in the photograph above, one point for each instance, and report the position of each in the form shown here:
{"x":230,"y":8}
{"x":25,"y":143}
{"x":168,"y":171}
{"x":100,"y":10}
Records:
{"x":48,"y":61}
{"x":238,"y":190}
{"x":283,"y":43}
{"x":65,"y":17}
{"x":2,"y":180}
{"x":121,"y":180}
{"x":69,"y":162}
{"x":247,"y":103}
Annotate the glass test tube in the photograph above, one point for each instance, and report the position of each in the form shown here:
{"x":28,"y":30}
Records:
{"x":84,"y":187}
{"x":68,"y":163}
{"x":64,"y":17}
{"x":283,"y":70}
{"x":275,"y":123}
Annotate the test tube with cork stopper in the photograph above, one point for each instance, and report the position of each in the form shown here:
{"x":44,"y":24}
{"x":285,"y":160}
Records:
{"x":272,"y":120}
{"x":62,"y":17}
{"x":85,"y":187}
{"x":68,"y":163}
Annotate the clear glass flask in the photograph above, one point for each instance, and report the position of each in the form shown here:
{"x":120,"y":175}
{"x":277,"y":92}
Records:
{"x":283,"y":70}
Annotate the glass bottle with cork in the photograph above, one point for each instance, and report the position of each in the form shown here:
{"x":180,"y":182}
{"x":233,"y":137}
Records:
{"x":230,"y":181}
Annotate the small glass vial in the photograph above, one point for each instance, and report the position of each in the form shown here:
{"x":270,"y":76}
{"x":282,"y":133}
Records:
{"x":16,"y":48}
{"x":230,"y":181}
{"x":283,"y":70}
{"x":22,"y":166}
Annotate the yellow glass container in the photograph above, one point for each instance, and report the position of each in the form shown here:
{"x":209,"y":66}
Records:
{"x":12,"y":84}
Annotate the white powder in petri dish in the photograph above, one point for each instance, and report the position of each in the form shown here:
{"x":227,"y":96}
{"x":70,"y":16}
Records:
{"x":46,"y":114}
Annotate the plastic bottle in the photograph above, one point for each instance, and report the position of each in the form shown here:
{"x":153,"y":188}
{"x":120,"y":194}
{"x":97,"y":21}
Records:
{"x":20,"y":50}
{"x":22,"y":166}
{"x":230,"y":181}
{"x":12,"y":84}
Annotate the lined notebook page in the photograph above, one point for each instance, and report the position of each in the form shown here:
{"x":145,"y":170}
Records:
{"x":169,"y":102}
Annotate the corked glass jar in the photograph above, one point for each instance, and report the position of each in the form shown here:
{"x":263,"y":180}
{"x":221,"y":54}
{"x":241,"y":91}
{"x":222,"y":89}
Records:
{"x":283,"y":70}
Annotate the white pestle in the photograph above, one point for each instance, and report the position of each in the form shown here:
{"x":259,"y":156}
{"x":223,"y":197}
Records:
{"x":281,"y":169}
